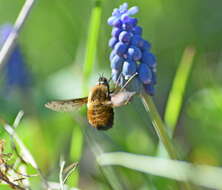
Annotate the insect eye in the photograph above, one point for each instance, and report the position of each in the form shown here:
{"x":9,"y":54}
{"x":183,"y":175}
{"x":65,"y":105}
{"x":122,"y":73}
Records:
{"x":102,"y":80}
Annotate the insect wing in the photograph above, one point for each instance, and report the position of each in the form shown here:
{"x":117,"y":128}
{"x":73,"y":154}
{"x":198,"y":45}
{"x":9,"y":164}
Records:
{"x":121,"y":98}
{"x":66,"y":105}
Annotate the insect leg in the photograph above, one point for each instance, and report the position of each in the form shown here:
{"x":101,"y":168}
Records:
{"x":116,"y":85}
{"x":118,"y":80}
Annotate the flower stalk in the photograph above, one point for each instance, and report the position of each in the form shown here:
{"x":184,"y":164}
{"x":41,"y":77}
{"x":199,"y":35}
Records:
{"x":161,"y":131}
{"x":159,"y":126}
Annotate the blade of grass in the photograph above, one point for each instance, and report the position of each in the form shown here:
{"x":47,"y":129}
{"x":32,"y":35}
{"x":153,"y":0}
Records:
{"x":91,"y":46}
{"x":203,"y":175}
{"x":69,"y":170}
{"x":175,"y":100}
{"x":62,"y":165}
{"x":18,"y":119}
{"x":75,"y":153}
{"x":56,"y":186}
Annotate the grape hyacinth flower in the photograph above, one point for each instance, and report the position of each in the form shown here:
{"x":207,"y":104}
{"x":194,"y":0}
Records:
{"x":131,"y":57}
{"x":16,"y":72}
{"x":130,"y":52}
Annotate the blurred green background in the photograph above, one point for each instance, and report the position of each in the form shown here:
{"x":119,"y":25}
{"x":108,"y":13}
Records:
{"x":53,"y":43}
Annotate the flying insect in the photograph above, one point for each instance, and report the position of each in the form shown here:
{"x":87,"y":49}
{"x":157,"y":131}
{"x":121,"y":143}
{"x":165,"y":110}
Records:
{"x":100,"y":103}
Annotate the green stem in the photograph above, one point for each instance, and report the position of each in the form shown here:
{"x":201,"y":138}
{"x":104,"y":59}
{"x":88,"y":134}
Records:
{"x":159,"y":125}
{"x":161,"y":131}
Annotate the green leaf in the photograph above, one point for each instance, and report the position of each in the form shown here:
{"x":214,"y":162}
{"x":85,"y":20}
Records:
{"x":175,"y":100}
{"x":204,"y":175}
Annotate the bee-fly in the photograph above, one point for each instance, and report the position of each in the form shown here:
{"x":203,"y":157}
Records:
{"x":100,"y":104}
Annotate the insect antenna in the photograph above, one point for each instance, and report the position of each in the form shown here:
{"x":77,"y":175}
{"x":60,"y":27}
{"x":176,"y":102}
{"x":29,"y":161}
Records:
{"x":110,"y":78}
{"x":125,"y":85}
{"x":116,"y":85}
{"x":128,"y":81}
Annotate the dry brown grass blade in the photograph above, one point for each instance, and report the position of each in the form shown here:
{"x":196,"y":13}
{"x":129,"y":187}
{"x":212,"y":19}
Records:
{"x":25,"y":155}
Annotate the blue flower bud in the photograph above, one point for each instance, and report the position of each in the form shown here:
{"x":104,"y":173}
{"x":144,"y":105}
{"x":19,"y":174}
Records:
{"x":146,"y":46}
{"x":112,"y":42}
{"x":124,"y":36}
{"x":117,"y":23}
{"x":115,"y":75}
{"x":140,"y":43}
{"x":120,"y":48}
{"x":153,"y":77}
{"x":138,"y":30}
{"x":116,"y":32}
{"x":145,"y":73}
{"x":149,"y":88}
{"x":112,"y":54}
{"x":136,"y":40}
{"x":132,"y":21}
{"x":5,"y":30}
{"x":149,"y":59}
{"x":124,"y":18}
{"x":127,"y":26}
{"x":133,"y":10}
{"x":117,"y":62}
{"x":115,"y":12}
{"x":111,"y":20}
{"x":16,"y":72}
{"x":134,"y":53}
{"x":129,"y":68}
{"x":123,"y":7}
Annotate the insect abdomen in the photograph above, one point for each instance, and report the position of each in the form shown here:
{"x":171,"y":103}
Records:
{"x":100,"y":116}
